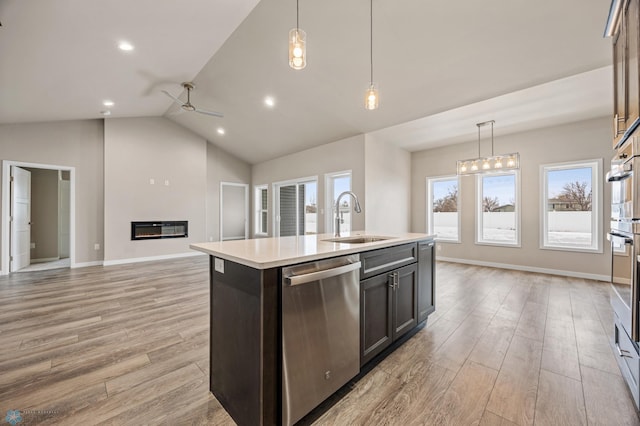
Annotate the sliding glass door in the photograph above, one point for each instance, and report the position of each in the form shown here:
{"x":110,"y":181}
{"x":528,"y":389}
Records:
{"x":296,"y":208}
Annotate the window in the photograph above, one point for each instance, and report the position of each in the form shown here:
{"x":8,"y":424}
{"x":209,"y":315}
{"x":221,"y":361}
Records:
{"x":262,"y":213}
{"x":570,"y":206}
{"x":443,"y":213}
{"x":296,"y":208}
{"x":335,"y":184}
{"x":497,"y":206}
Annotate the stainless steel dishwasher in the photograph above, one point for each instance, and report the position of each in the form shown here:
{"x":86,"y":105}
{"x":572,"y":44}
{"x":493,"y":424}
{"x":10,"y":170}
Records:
{"x":320,"y":332}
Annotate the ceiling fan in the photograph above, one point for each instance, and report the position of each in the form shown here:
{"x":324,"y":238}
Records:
{"x":187,"y":106}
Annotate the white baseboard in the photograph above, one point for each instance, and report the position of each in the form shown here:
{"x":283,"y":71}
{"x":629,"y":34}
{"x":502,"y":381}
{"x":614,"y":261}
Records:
{"x":574,"y":274}
{"x":151,"y":258}
{"x":86,"y":264}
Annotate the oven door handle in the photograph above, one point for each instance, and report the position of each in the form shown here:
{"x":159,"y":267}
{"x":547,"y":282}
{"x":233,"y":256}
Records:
{"x":620,"y":173}
{"x":627,"y":241}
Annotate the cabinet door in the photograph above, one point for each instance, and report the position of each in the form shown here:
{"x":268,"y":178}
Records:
{"x":426,"y":281}
{"x":619,"y":84}
{"x":405,"y":306}
{"x":376,"y":332}
{"x":632,"y":80}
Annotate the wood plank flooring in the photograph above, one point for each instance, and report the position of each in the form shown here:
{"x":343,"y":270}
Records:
{"x":128,"y":345}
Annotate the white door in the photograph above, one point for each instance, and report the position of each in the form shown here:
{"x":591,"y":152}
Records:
{"x":234,"y":209}
{"x":20,"y":193}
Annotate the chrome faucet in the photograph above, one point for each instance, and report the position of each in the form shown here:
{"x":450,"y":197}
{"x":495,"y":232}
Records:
{"x":356,"y":208}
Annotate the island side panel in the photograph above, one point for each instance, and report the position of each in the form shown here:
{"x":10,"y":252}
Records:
{"x":243,"y":342}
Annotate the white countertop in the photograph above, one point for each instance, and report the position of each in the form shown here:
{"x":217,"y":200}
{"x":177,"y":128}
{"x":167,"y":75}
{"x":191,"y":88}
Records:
{"x":265,"y":253}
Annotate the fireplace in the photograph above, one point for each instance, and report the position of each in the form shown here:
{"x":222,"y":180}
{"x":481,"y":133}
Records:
{"x":159,"y":229}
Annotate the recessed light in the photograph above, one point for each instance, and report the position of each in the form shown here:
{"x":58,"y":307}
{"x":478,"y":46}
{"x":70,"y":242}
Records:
{"x":269,"y":101}
{"x":108,"y":103}
{"x":105,"y":113}
{"x":220,"y":131}
{"x":125,"y":45}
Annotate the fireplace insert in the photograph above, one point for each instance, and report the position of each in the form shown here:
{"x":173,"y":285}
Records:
{"x":159,"y":229}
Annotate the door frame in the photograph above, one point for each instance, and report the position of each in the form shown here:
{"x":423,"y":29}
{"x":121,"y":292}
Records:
{"x":246,"y":207}
{"x":4,"y":210}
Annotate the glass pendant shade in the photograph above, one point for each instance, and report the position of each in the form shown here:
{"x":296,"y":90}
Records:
{"x":490,"y":165}
{"x":371,"y":97}
{"x":297,"y":49}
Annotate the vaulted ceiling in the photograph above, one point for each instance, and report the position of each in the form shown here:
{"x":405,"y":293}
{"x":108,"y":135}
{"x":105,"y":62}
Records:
{"x":441,"y":67}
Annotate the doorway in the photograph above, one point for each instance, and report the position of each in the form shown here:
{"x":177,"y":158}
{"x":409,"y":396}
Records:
{"x":234,"y":211}
{"x":38,"y":217}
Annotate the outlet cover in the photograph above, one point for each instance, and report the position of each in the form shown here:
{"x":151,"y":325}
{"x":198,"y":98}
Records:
{"x":33,"y":245}
{"x":96,"y":246}
{"x":218,"y":265}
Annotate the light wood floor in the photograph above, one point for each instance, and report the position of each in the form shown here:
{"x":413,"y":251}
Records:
{"x":129,"y":345}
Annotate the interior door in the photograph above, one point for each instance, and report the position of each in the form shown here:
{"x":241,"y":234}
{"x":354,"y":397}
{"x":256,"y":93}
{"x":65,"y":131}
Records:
{"x":233,"y":211}
{"x":20,"y":212}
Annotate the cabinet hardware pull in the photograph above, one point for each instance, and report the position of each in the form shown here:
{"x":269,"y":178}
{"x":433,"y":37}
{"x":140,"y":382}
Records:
{"x":616,"y":125}
{"x":623,"y":353}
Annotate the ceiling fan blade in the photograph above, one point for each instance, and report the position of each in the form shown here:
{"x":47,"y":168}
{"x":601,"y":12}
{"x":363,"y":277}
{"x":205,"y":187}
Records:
{"x":176,"y":100}
{"x":213,"y":113}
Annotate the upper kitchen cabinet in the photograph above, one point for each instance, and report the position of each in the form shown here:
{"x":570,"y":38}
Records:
{"x":624,"y":26}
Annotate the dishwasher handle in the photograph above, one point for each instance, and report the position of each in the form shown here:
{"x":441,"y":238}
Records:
{"x":320,"y":275}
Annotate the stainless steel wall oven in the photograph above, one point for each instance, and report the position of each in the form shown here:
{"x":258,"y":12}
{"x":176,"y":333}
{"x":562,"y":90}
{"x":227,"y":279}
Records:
{"x":624,"y":236}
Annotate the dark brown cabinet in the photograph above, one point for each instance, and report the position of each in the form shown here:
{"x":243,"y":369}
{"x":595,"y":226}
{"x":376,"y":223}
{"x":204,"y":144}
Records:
{"x":376,"y":330}
{"x":396,"y":293}
{"x":626,"y":72}
{"x":426,"y":279}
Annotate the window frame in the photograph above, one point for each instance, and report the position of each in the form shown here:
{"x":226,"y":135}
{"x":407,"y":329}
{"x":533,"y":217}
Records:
{"x":479,"y":211}
{"x":596,"y":166}
{"x":429,"y":216}
{"x":258,"y":210}
{"x":328,"y":195}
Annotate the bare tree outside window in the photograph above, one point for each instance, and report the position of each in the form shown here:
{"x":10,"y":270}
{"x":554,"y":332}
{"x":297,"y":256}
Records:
{"x":578,"y":195}
{"x":490,"y":204}
{"x":448,"y":203}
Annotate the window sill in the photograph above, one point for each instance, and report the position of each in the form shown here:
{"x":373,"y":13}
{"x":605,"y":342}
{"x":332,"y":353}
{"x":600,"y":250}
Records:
{"x":573,"y":249}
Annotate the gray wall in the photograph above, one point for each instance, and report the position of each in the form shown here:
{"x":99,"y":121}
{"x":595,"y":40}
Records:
{"x":578,"y":141}
{"x":222,"y":167}
{"x":167,"y":151}
{"x":345,"y":154}
{"x":136,"y":151}
{"x":44,"y":213}
{"x":76,"y":144}
{"x":387,"y":187}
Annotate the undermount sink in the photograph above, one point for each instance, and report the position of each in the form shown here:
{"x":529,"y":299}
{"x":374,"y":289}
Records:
{"x":358,"y":239}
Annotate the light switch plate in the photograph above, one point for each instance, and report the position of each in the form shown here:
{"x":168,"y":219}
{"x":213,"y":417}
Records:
{"x":218,"y":265}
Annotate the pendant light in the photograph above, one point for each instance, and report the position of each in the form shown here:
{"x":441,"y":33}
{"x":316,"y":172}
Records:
{"x":488,"y":165}
{"x":371,"y":96}
{"x":297,"y":45}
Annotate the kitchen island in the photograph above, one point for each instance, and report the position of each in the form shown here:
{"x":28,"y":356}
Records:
{"x":252,"y":368}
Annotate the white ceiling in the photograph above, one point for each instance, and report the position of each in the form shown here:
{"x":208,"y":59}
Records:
{"x":441,"y":67}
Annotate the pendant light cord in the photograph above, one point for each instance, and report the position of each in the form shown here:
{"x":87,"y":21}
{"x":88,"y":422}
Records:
{"x":478,"y":139}
{"x":483,"y":124}
{"x":492,"y":137}
{"x":371,"y":38}
{"x":297,"y":15}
